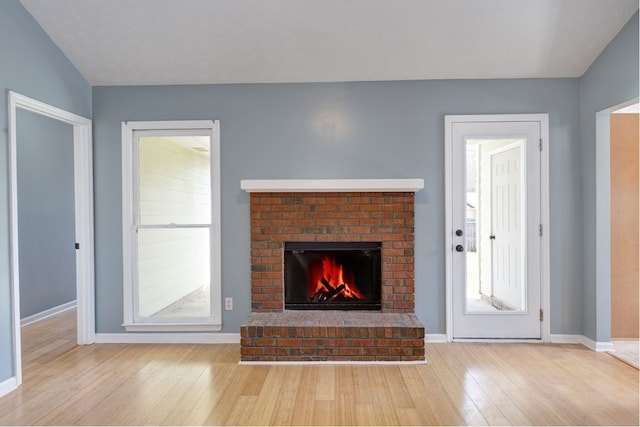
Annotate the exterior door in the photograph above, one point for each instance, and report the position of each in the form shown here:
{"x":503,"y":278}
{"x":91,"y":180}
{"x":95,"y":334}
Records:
{"x":494,"y":224}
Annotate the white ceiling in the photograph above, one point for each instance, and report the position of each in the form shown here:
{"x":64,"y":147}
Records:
{"x":144,"y":42}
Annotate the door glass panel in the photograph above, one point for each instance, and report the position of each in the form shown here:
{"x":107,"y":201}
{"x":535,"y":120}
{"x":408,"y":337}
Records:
{"x":174,"y":182}
{"x":495,"y":226}
{"x":173,"y":272}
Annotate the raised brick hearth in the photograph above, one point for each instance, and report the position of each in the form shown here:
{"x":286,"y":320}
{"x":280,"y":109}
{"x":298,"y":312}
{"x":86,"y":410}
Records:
{"x":332,"y":335}
{"x":271,"y":333}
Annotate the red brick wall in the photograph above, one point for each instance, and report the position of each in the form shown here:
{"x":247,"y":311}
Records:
{"x":322,"y":217}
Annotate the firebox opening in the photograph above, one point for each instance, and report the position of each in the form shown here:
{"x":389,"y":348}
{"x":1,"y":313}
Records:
{"x":332,"y":275}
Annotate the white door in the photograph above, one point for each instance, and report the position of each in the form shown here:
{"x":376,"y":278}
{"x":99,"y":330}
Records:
{"x":493,"y":235}
{"x":506,"y":228}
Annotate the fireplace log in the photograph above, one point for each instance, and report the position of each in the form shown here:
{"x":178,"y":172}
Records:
{"x":327,"y":285}
{"x":322,"y":295}
{"x":335,"y":291}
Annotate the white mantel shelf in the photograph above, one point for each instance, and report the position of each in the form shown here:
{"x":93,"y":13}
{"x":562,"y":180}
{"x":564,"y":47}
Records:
{"x":330,"y":185}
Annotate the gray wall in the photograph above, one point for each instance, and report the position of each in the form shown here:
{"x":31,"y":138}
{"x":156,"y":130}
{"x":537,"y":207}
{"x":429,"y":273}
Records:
{"x":46,"y":214}
{"x":340,"y":130}
{"x":34,"y":66}
{"x":611,"y":79}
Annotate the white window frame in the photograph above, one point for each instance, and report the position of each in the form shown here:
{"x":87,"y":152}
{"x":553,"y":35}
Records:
{"x":132,"y":322}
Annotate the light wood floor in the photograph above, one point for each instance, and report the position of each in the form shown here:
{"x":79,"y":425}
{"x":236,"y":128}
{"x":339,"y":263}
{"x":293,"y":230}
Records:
{"x":117,"y":384}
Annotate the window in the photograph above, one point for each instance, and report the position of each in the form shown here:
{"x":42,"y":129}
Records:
{"x":171,"y":226}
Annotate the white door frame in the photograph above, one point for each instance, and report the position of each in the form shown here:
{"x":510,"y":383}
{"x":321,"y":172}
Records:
{"x":83,"y":189}
{"x":543,"y":119}
{"x":603,"y":227}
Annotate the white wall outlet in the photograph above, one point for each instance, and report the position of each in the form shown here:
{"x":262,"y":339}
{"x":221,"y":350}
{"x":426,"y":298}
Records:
{"x":228,"y":303}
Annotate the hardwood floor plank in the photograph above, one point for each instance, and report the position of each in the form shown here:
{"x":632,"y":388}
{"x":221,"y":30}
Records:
{"x":451,"y":376}
{"x":398,"y":392}
{"x":265,"y":404}
{"x":305,"y":397}
{"x":167,"y":384}
{"x":345,"y":396}
{"x":324,"y":412}
{"x":285,"y":399}
{"x":241,"y":411}
{"x":228,"y":393}
{"x":326,"y":384}
{"x":382,"y":395}
{"x":196,"y":405}
{"x":421,"y":394}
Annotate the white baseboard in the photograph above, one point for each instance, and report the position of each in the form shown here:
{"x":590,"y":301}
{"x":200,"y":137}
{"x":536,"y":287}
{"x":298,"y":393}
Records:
{"x":435,"y":338}
{"x":48,"y":313}
{"x":566,"y":339}
{"x":168,"y":338}
{"x":7,"y":386}
{"x":599,"y":346}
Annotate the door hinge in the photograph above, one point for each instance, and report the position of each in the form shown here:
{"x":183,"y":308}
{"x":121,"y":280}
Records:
{"x":540,"y":229}
{"x":540,"y":144}
{"x":77,"y":245}
{"x":541,"y":315}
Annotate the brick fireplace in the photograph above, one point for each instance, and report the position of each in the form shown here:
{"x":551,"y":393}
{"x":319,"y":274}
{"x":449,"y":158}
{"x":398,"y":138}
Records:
{"x":286,"y":211}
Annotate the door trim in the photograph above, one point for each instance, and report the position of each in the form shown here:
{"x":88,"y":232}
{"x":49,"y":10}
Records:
{"x":83,"y":188}
{"x":603,"y":226}
{"x":543,"y":120}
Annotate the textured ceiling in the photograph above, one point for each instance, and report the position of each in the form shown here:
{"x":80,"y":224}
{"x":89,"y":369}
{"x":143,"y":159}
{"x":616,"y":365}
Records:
{"x":144,"y":42}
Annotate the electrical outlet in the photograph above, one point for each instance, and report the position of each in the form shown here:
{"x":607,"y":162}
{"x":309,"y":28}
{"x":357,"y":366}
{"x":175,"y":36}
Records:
{"x":228,"y":303}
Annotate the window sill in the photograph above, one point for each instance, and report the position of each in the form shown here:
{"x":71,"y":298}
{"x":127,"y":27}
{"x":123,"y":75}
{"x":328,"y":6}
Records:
{"x":172,"y":327}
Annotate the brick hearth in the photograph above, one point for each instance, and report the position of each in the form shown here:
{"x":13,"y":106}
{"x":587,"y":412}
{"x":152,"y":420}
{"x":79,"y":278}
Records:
{"x":271,"y":333}
{"x":332,"y":335}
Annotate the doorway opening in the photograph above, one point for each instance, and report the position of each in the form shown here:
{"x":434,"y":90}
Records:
{"x":83,"y":227}
{"x":607,"y":306}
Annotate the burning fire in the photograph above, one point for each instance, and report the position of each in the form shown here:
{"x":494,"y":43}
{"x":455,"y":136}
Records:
{"x":332,"y":284}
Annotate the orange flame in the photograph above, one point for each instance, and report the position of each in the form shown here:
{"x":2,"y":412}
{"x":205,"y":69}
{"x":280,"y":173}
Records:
{"x":331,"y":278}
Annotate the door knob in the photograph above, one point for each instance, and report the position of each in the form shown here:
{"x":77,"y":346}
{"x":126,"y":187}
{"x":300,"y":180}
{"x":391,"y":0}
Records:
{"x":459,"y":248}
{"x":492,"y":237}
{"x":458,"y":232}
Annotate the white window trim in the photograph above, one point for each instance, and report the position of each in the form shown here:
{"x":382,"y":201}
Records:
{"x":128,"y":209}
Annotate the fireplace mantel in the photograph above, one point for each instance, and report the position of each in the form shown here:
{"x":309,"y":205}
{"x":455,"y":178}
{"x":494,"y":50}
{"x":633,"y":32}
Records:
{"x":330,"y":185}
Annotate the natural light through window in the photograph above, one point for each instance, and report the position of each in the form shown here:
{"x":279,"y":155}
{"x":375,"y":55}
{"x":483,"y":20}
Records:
{"x":172,"y":279}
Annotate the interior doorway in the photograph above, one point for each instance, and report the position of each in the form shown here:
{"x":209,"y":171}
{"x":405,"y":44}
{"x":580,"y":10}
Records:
{"x":603,"y":232}
{"x":83,"y":210}
{"x":625,"y":221}
{"x":496,"y":179}
{"x":624,"y":158}
{"x":46,"y":216}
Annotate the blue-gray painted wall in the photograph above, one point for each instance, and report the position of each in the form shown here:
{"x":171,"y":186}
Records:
{"x":46,"y":213}
{"x":33,"y":66}
{"x":340,"y":130}
{"x":611,"y":80}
